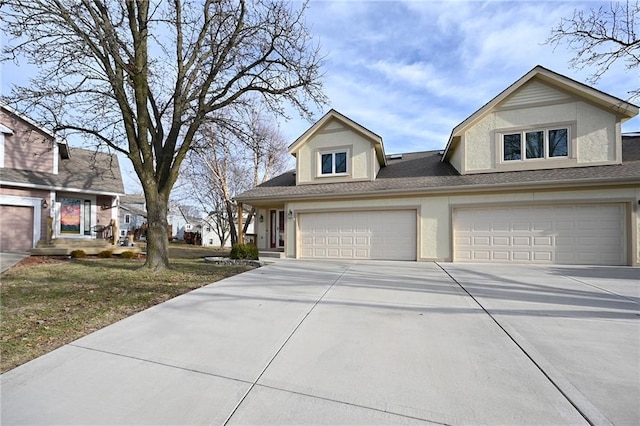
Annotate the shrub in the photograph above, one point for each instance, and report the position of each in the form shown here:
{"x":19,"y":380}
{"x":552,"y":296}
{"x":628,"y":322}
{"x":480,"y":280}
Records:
{"x":105,"y":254}
{"x":78,"y":254}
{"x":244,"y":251}
{"x":128,"y":255}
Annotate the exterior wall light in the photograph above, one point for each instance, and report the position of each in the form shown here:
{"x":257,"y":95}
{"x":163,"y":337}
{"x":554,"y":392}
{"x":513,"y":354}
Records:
{"x":261,"y":218}
{"x":44,"y":203}
{"x":290,"y":214}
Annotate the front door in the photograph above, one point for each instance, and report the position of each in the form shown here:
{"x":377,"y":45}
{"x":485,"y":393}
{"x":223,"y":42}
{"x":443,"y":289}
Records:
{"x":277,"y":228}
{"x":74,"y":217}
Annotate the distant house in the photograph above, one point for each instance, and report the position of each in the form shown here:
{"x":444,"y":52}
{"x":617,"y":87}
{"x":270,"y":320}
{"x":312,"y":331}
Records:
{"x":133,"y":216}
{"x":539,"y":174}
{"x":51,"y":190}
{"x":211,"y":238}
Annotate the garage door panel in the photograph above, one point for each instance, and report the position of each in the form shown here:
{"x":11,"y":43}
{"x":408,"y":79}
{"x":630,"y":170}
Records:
{"x":381,"y":235}
{"x":571,"y":234}
{"x":16,"y":228}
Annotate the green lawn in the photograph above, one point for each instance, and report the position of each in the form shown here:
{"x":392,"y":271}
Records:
{"x":46,"y":302}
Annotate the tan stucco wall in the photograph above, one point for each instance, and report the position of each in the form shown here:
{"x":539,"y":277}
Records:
{"x":435,"y":212}
{"x":457,"y":158}
{"x":594,"y":127}
{"x":329,"y":137}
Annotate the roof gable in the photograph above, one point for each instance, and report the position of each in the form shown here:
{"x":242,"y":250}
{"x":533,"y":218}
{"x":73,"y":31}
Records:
{"x":334,"y":118}
{"x":539,"y":86}
{"x":27,"y":120}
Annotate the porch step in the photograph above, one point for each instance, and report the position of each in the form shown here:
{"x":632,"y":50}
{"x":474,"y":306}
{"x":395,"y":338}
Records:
{"x":75,"y":243}
{"x":64,"y":247}
{"x":271,"y":254}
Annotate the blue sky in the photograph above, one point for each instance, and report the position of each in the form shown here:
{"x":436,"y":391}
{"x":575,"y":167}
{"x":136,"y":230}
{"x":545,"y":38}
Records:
{"x":410,"y":71}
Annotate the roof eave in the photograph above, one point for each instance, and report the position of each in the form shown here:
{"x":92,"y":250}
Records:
{"x":333,"y":114}
{"x":624,"y":108}
{"x":556,"y":184}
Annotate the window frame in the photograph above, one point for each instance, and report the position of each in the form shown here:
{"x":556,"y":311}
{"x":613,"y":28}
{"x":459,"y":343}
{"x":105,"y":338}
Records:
{"x":545,"y":130}
{"x":127,"y":218}
{"x":333,"y":153}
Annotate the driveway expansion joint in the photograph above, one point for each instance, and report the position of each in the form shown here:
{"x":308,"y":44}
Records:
{"x":590,"y":413}
{"x":351,"y":404}
{"x":162,"y":364}
{"x":253,"y":385}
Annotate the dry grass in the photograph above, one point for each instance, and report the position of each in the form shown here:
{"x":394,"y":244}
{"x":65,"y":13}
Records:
{"x":47,"y":302}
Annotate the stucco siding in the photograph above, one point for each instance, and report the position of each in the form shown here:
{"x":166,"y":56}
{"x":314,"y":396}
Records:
{"x":479,"y":145}
{"x":457,"y":156}
{"x":332,"y":136}
{"x":592,"y":133}
{"x":536,"y":116}
{"x":596,"y":134}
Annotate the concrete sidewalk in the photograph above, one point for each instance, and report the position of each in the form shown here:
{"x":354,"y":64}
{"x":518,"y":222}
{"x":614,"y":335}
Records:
{"x":301,"y":342}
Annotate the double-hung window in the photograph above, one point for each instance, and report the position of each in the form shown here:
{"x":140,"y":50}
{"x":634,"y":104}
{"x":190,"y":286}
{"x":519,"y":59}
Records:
{"x":333,"y":163}
{"x":535,"y":144}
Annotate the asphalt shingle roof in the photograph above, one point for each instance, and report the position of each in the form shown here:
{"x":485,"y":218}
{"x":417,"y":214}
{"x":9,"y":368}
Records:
{"x":85,"y":170}
{"x":423,"y":171}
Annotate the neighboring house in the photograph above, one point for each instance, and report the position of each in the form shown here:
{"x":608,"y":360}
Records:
{"x":42,"y":177}
{"x":540,"y":174}
{"x":133,"y":216}
{"x":210,"y":237}
{"x":181,"y":220}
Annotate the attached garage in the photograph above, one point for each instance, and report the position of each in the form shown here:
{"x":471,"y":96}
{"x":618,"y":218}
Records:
{"x":16,"y":228}
{"x":561,"y":234}
{"x":380,"y":234}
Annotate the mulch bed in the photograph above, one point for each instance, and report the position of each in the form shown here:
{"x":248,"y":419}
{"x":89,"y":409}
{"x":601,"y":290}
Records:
{"x":42,"y":260}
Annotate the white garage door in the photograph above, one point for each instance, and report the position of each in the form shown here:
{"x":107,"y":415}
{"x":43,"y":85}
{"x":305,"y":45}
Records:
{"x":576,"y":234}
{"x":384,"y":235}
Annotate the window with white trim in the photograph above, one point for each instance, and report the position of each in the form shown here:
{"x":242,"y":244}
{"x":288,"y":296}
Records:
{"x":127,"y":218}
{"x":333,"y":163}
{"x":535,"y":144}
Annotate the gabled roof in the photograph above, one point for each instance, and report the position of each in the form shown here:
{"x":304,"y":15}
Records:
{"x":135,"y":209}
{"x":27,"y":119}
{"x":86,"y":171}
{"x":623,"y":108}
{"x":424,"y":173}
{"x":5,"y":130}
{"x":375,"y":139}
{"x":62,"y":143}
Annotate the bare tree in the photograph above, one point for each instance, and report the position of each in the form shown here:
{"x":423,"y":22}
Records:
{"x":142,"y":76}
{"x":233,"y":154}
{"x":602,"y":37}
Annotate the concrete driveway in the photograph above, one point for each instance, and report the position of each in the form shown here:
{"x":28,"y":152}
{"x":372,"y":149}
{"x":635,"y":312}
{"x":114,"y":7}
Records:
{"x":304,"y":342}
{"x":9,"y":259}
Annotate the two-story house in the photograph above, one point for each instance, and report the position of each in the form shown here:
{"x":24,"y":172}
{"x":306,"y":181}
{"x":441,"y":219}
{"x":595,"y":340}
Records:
{"x":541,"y":173}
{"x":49,"y":190}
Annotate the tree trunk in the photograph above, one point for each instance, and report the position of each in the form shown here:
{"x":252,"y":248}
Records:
{"x":232,"y":226}
{"x":157,"y":236}
{"x":248,"y":221}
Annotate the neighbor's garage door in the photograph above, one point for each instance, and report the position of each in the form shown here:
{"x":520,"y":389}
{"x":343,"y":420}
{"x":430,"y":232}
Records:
{"x":384,"y":235}
{"x":572,"y":234}
{"x":16,"y":228}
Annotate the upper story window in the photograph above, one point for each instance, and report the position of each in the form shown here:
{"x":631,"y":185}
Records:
{"x":127,"y":218}
{"x":535,"y":144}
{"x":333,"y":163}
